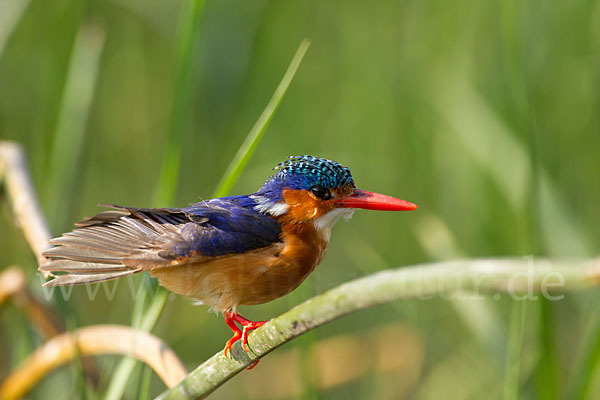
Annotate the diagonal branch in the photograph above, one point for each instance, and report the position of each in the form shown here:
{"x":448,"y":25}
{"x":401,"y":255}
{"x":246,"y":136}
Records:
{"x":452,"y":279}
{"x":521,"y":279}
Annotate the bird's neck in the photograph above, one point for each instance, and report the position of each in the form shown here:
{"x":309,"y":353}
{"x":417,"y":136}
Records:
{"x":303,"y":247}
{"x":324,"y":223}
{"x":319,"y":226}
{"x":297,"y":207}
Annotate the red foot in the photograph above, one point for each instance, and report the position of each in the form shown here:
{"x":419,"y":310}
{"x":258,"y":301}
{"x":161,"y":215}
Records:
{"x":237,"y":333}
{"x":248,"y":326}
{"x":230,"y":319}
{"x":253,"y":364}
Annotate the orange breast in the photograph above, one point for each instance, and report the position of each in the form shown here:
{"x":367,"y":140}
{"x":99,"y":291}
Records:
{"x":251,"y":278}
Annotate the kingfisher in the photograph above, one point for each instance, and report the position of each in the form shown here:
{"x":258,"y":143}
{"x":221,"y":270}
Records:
{"x":224,"y":252}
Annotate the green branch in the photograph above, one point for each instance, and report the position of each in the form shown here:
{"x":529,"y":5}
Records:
{"x":520,"y":279}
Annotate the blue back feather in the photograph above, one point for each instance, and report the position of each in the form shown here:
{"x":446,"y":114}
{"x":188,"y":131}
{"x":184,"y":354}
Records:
{"x":226,"y":226}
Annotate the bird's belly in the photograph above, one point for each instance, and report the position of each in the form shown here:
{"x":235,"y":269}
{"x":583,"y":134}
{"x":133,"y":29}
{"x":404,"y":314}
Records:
{"x":251,"y":278}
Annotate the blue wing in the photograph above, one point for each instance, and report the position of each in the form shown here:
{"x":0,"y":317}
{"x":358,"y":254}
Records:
{"x":227,"y":226}
{"x":126,"y":240}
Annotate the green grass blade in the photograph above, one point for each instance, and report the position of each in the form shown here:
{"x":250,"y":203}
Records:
{"x":240,"y":161}
{"x":587,"y":365}
{"x":11,"y":12}
{"x":141,"y":320}
{"x":165,"y":191}
{"x":547,"y":371}
{"x":187,"y":43}
{"x":144,"y":392}
{"x":479,"y":316}
{"x":71,"y":127}
{"x":514,"y":350}
{"x":241,"y":158}
{"x":119,"y":380}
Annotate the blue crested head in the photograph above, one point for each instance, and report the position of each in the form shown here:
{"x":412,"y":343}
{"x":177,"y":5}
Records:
{"x":310,"y":188}
{"x":305,"y":173}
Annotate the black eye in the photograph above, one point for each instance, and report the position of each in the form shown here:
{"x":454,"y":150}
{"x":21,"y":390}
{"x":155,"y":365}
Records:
{"x":321,"y":193}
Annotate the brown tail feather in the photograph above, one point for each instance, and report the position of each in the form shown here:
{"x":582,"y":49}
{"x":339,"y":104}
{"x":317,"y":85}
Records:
{"x":81,"y":279}
{"x":76,"y":267}
{"x":112,"y":244}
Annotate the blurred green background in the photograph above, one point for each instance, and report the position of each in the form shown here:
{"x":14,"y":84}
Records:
{"x":485,"y":113}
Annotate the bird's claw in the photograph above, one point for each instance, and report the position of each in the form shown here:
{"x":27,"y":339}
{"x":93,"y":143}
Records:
{"x":230,"y":319}
{"x":247,"y":328}
{"x":236,"y":336}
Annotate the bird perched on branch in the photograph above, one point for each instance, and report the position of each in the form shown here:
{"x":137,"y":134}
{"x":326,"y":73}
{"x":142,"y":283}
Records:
{"x":225,"y":252}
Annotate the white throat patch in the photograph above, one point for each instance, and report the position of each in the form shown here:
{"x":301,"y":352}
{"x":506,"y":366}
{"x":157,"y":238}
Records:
{"x":325,"y":222}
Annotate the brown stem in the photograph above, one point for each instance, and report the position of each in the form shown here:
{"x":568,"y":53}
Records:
{"x":94,"y":340}
{"x":13,"y":168}
{"x":13,"y":284}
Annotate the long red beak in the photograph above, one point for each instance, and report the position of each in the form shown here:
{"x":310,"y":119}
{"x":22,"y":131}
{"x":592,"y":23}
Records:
{"x":373,"y":201}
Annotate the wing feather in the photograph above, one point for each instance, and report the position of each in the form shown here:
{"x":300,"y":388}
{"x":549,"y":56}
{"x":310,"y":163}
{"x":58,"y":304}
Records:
{"x":81,"y":279}
{"x":126,"y":240}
